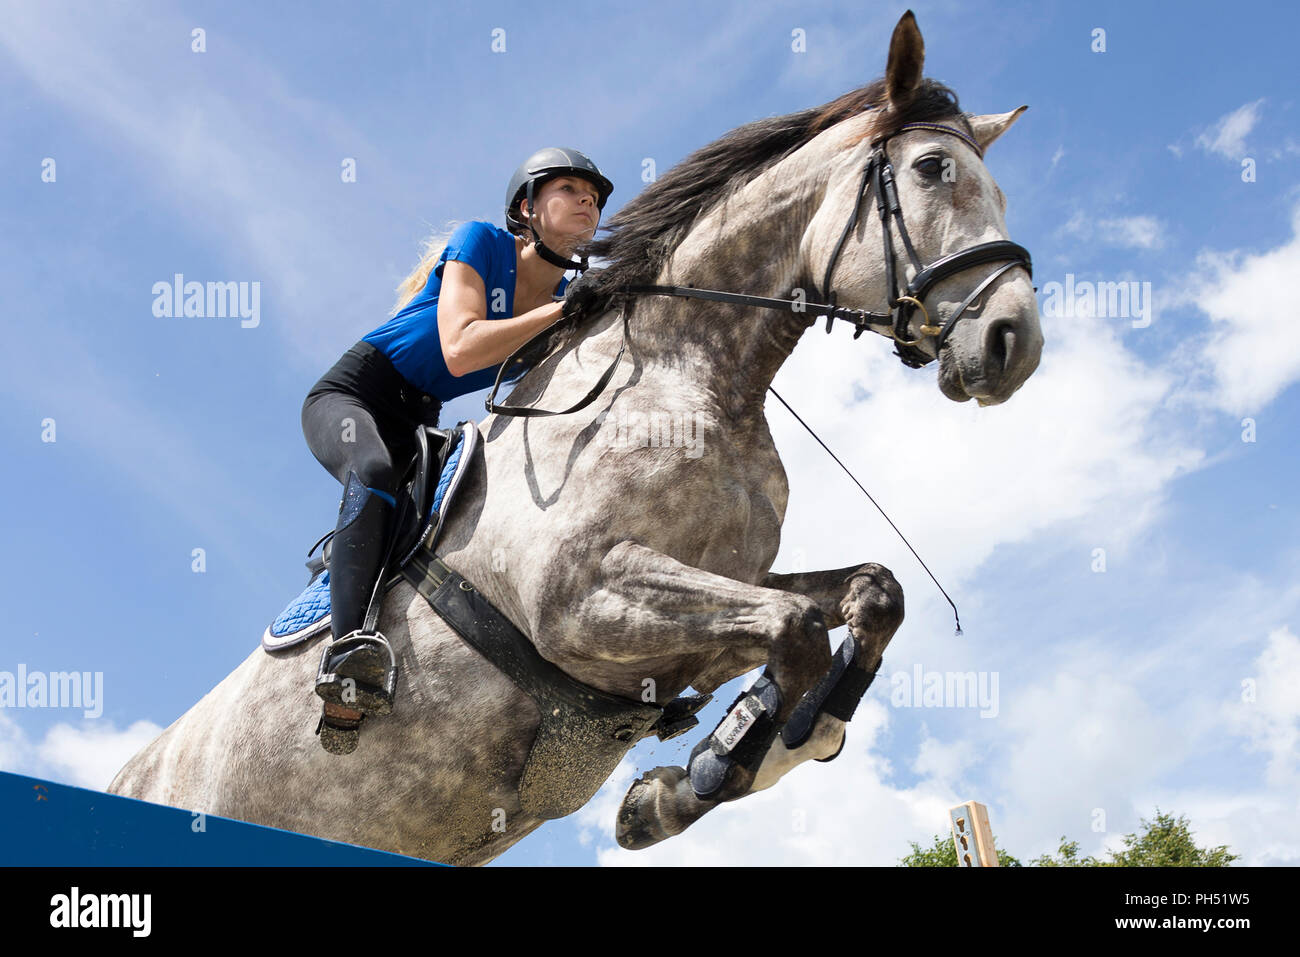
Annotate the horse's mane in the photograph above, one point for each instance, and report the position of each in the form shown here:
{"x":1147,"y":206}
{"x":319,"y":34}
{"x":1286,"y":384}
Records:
{"x":650,"y":226}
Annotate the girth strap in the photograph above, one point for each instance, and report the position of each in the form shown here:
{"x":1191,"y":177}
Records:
{"x":584,"y":732}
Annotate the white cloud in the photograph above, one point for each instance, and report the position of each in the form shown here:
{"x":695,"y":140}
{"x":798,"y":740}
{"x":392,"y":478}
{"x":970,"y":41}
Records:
{"x":91,"y":754}
{"x":1085,"y":737}
{"x":595,"y":821}
{"x":221,"y":149}
{"x":1140,"y":232}
{"x":1256,"y":825}
{"x":14,"y":749}
{"x":834,"y":49}
{"x":1130,"y":232}
{"x":87,"y":754}
{"x":1253,"y":816}
{"x":1268,"y":713}
{"x":1083,"y":450}
{"x":1227,"y":137}
{"x":1288,"y":148}
{"x":1253,"y":350}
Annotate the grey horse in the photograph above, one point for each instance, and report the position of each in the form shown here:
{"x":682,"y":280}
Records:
{"x":633,"y":564}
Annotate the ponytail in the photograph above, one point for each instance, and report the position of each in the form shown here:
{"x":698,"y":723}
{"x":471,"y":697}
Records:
{"x":431,"y":249}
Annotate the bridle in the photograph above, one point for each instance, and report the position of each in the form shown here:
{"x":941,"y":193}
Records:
{"x":877,"y":178}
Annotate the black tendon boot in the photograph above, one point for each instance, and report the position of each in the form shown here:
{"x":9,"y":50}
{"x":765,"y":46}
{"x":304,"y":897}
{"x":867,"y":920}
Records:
{"x":358,"y":670}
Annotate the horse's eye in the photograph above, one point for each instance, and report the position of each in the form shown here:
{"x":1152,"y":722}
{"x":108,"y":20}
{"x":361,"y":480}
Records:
{"x":929,"y":166}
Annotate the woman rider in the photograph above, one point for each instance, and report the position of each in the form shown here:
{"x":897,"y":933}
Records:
{"x":462,"y":313}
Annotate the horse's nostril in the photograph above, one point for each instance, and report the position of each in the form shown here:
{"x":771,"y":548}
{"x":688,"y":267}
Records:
{"x":1001,"y":344}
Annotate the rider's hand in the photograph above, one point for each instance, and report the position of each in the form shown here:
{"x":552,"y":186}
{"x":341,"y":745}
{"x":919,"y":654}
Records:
{"x":582,"y":292}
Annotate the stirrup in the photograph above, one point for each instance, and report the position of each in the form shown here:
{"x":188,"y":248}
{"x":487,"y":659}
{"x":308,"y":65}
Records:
{"x":679,"y":716}
{"x":359,"y":671}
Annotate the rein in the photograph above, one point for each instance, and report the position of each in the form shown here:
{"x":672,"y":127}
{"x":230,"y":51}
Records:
{"x":877,"y":178}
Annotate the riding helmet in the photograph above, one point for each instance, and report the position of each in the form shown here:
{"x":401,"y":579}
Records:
{"x":547,"y":164}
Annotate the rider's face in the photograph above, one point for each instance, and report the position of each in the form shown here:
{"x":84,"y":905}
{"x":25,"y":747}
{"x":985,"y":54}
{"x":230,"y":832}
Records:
{"x":566,"y":209}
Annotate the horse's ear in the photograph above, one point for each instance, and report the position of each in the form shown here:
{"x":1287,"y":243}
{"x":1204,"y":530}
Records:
{"x":906,"y":61}
{"x":992,"y":125}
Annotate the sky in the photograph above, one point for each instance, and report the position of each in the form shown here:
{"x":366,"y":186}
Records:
{"x":1120,"y":537}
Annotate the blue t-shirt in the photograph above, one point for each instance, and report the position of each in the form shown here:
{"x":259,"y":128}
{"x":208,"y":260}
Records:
{"x":410,"y":339}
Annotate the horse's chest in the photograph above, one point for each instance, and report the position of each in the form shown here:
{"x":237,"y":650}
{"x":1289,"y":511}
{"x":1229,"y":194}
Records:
{"x":742,"y":543}
{"x":728,"y":521}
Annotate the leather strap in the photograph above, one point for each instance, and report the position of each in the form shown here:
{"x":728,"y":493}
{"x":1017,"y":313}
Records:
{"x":527,"y":412}
{"x":974,"y":294}
{"x":486,"y":629}
{"x":999,"y":251}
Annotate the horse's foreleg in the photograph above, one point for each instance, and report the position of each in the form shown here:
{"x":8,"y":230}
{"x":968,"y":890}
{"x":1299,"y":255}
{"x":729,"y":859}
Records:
{"x":647,"y":606}
{"x":661,"y":803}
{"x":865,"y":597}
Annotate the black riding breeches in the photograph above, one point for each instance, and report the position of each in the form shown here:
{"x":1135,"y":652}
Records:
{"x":361,"y":417}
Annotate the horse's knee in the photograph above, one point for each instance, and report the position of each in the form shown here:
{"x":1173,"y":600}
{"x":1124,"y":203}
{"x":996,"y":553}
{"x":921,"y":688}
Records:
{"x":801,"y":655}
{"x":883,"y":598}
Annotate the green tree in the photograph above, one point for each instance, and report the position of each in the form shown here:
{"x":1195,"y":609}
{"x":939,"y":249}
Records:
{"x":943,"y":853}
{"x":1168,"y":843}
{"x":1164,"y":842}
{"x":1069,"y":857}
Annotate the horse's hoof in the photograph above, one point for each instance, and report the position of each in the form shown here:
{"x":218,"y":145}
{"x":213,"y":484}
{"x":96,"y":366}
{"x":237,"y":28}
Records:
{"x":831,"y":757}
{"x":639,"y":823}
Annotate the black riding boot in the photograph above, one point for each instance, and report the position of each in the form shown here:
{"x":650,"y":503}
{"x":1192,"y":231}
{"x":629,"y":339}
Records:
{"x":358,"y":670}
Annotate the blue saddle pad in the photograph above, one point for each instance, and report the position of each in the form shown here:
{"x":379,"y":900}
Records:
{"x":308,"y":615}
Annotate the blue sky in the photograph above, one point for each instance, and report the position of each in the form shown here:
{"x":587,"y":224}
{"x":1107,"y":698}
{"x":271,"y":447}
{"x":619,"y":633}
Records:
{"x":1166,"y":680}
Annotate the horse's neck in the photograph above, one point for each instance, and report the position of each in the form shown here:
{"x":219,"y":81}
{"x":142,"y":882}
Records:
{"x":750,"y":244}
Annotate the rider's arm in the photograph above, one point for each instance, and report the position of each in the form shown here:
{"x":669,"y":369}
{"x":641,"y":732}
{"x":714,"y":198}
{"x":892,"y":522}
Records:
{"x":471,"y":341}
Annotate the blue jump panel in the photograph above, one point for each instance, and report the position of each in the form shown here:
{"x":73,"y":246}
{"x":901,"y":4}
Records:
{"x":44,"y":824}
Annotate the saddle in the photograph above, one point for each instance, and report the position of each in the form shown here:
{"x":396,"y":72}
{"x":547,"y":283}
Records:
{"x":429,"y":484}
{"x":584,"y":732}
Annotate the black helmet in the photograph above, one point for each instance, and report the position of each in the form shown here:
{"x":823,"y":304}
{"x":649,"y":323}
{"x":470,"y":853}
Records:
{"x":547,"y":164}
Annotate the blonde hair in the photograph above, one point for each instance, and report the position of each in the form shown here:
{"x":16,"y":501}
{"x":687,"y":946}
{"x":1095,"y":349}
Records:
{"x":430,"y":250}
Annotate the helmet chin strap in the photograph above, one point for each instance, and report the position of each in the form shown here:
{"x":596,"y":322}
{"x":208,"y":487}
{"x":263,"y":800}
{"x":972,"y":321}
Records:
{"x":552,"y":257}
